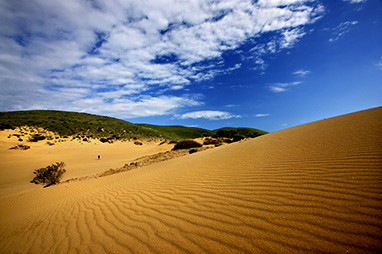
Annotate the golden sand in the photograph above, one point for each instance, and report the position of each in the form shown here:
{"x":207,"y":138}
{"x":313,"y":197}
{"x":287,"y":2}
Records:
{"x":310,"y":188}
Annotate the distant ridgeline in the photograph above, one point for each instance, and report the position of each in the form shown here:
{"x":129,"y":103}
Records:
{"x":107,"y":128}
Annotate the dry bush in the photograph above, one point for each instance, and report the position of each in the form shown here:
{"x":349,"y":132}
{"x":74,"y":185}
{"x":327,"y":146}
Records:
{"x":20,"y":147}
{"x":49,"y":175}
{"x":210,"y":141}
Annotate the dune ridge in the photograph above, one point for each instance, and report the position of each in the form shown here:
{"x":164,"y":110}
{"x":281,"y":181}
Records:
{"x":311,"y":188}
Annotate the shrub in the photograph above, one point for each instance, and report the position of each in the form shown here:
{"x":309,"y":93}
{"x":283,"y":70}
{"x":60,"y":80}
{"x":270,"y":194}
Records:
{"x":138,"y":143}
{"x":103,"y":140}
{"x":210,"y":141}
{"x":49,"y":175}
{"x":20,"y":147}
{"x":237,"y":137}
{"x":5,"y":126}
{"x":36,"y":138}
{"x":185,"y":144}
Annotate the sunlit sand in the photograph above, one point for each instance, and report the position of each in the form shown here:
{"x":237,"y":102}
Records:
{"x":311,"y":188}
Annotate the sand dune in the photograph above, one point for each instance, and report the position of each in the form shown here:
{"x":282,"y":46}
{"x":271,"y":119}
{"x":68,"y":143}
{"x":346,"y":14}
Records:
{"x":80,"y":158}
{"x":311,"y":188}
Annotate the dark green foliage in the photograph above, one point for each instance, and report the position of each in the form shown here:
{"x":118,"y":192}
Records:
{"x":49,"y":175}
{"x":226,"y":133}
{"x":229,"y":132}
{"x":103,"y":140}
{"x":177,"y":132}
{"x":5,"y":126}
{"x":186,"y":144}
{"x":237,"y":137}
{"x":36,"y":138}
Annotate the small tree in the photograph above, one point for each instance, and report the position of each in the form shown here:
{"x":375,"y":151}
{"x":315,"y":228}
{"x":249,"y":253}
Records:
{"x":49,"y":175}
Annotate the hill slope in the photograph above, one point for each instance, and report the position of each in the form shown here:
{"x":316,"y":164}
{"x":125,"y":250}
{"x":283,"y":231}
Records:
{"x":311,"y":188}
{"x":82,"y":124}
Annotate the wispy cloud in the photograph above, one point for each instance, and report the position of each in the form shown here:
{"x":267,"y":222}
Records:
{"x":341,"y":30}
{"x":379,"y":64}
{"x":262,"y":115}
{"x":301,"y":73}
{"x":355,"y":1}
{"x":111,"y":53}
{"x":209,"y":114}
{"x":282,"y":87}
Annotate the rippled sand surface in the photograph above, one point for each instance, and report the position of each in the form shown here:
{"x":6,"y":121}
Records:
{"x":311,"y":188}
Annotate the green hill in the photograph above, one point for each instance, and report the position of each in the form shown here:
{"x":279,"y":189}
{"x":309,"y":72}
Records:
{"x":93,"y":126}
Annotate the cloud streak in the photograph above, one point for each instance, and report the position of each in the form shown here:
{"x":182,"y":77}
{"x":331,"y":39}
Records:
{"x":341,"y":30}
{"x":262,"y":115}
{"x":100,"y":55}
{"x":282,"y":87}
{"x":301,"y":73}
{"x":209,"y":115}
{"x":355,"y":1}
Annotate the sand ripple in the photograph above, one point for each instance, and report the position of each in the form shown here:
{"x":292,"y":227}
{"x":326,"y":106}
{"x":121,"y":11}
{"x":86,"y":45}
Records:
{"x":312,"y":188}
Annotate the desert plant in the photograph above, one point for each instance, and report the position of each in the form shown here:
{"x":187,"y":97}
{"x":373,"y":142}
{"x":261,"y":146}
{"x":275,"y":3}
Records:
{"x":20,"y":147}
{"x":36,"y":138}
{"x":237,"y":137}
{"x":210,"y":141}
{"x":185,"y":144}
{"x":103,"y":140}
{"x":49,"y":175}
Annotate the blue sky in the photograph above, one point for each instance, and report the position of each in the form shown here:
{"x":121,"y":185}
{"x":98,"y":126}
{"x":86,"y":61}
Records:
{"x":207,"y":63}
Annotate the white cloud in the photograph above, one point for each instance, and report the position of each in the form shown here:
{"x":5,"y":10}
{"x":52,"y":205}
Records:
{"x":355,"y":1}
{"x":262,"y":115}
{"x":209,"y":114}
{"x":379,"y":64}
{"x":341,"y":30}
{"x":301,"y":73}
{"x":291,"y":37}
{"x":282,"y":87}
{"x":115,"y":51}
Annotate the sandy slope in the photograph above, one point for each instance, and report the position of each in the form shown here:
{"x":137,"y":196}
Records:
{"x":81,"y":159}
{"x":311,"y":188}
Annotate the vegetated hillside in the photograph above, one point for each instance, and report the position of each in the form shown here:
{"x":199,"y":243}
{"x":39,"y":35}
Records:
{"x":178,"y":132}
{"x":94,"y":126}
{"x":244,"y":132}
{"x":73,"y":124}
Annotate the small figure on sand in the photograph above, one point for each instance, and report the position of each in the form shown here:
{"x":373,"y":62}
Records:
{"x":99,"y":156}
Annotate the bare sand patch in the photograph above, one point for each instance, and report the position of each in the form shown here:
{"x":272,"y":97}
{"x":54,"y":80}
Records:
{"x":81,"y":158}
{"x":311,"y":188}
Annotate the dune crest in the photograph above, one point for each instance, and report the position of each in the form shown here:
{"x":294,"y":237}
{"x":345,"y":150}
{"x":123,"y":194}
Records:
{"x":311,"y":188}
